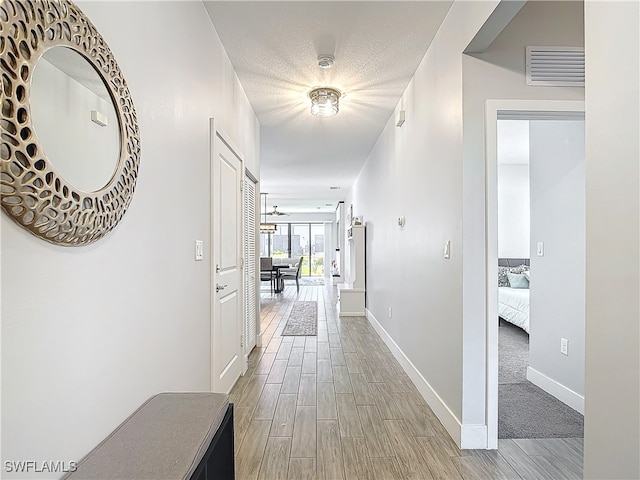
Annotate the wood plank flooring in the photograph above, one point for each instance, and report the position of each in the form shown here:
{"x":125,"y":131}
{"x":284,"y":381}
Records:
{"x":339,"y":406}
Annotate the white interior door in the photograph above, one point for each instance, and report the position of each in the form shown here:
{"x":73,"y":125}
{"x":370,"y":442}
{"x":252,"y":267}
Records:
{"x":250,"y":271}
{"x":227,"y":295}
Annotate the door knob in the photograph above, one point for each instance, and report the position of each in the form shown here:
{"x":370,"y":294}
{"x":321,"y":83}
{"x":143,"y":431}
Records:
{"x":220,"y":287}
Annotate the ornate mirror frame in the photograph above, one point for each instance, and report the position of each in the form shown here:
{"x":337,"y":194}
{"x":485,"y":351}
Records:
{"x":33,"y":192}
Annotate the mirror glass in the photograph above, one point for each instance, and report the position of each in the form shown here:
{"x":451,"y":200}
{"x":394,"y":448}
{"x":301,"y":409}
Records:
{"x":75,"y":119}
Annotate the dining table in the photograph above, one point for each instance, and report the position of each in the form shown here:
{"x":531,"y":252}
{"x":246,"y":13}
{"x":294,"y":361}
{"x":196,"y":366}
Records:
{"x":279,"y":282}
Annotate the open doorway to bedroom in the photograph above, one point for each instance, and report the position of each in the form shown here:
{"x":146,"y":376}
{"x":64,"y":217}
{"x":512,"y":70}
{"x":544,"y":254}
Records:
{"x":540,"y":176}
{"x":538,"y":229}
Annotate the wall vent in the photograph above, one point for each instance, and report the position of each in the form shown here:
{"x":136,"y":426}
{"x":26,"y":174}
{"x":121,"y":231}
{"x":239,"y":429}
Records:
{"x":555,"y":66}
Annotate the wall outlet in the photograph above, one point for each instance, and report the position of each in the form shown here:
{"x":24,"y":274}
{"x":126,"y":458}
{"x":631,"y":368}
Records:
{"x":564,"y":346}
{"x":390,"y":312}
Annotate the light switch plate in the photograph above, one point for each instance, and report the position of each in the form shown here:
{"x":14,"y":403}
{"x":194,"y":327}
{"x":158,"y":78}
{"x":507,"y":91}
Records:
{"x":447,"y":249}
{"x":199,"y":250}
{"x":540,"y":249}
{"x":564,"y":346}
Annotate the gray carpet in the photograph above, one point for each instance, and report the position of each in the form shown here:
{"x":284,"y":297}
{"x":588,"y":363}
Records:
{"x":513,"y":345}
{"x":303,"y":319}
{"x":524,"y":410}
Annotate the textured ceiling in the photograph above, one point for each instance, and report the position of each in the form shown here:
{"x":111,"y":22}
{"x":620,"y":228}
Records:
{"x":274,"y":46}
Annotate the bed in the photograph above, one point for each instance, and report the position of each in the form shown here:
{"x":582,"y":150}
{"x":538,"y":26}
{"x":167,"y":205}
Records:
{"x":513,"y":306}
{"x":513,"y":303}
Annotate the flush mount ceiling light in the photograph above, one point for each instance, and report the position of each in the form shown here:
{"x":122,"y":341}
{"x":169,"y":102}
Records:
{"x":324,"y":101}
{"x":326,"y":61}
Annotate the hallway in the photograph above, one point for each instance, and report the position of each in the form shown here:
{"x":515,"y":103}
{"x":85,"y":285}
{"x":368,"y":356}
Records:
{"x":339,"y":406}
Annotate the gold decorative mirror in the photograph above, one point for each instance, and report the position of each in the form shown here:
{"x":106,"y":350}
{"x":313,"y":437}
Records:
{"x":69,"y":156}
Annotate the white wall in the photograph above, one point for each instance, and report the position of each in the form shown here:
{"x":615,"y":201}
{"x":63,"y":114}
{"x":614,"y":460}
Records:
{"x":329,"y":247}
{"x":89,"y":333}
{"x":416,"y":171}
{"x":513,"y":210}
{"x":612,"y":386}
{"x":499,"y":73}
{"x":558,"y":278}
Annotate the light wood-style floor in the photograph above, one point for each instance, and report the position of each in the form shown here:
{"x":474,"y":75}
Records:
{"x":339,"y":406}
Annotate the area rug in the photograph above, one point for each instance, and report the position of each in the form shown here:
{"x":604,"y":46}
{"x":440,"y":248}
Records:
{"x":303,"y":319}
{"x":312,"y":281}
{"x":525,"y":410}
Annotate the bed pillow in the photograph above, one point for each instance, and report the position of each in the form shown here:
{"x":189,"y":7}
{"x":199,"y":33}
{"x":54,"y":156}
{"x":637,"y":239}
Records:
{"x":503,"y":281}
{"x":517,"y":280}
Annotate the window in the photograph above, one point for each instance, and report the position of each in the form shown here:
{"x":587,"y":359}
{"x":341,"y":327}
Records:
{"x":295,"y":240}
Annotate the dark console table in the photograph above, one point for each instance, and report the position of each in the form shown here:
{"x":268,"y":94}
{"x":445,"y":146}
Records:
{"x":171,"y":436}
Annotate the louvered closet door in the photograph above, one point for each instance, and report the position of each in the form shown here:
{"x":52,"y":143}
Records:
{"x":249,"y":253}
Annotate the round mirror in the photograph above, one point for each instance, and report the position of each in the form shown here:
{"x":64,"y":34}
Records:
{"x":70,"y":145}
{"x":74,"y":118}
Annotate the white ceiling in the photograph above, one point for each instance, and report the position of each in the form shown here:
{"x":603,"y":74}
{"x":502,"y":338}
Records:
{"x":274,"y":46}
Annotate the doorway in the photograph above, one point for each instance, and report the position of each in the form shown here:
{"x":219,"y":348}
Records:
{"x":495,"y":110}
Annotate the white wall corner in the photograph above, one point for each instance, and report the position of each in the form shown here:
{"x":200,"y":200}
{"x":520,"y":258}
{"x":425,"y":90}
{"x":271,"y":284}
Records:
{"x":439,"y":407}
{"x":562,"y":393}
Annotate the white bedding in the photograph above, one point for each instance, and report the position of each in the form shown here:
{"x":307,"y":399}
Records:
{"x":513,"y":306}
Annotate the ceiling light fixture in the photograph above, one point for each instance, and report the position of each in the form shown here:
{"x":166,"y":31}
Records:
{"x":276,"y":212}
{"x":324,"y":102}
{"x":326,"y":61}
{"x":266,"y":227}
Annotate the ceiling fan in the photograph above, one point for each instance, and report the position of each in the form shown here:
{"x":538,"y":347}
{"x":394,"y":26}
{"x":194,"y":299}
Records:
{"x":276,"y":212}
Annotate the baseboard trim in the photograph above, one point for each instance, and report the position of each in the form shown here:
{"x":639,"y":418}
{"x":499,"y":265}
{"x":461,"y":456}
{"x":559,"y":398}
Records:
{"x":473,"y":437}
{"x":562,"y":393}
{"x":439,"y":407}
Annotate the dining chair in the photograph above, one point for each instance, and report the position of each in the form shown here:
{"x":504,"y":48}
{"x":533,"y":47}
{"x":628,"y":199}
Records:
{"x":292,"y":274}
{"x":267,"y":272}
